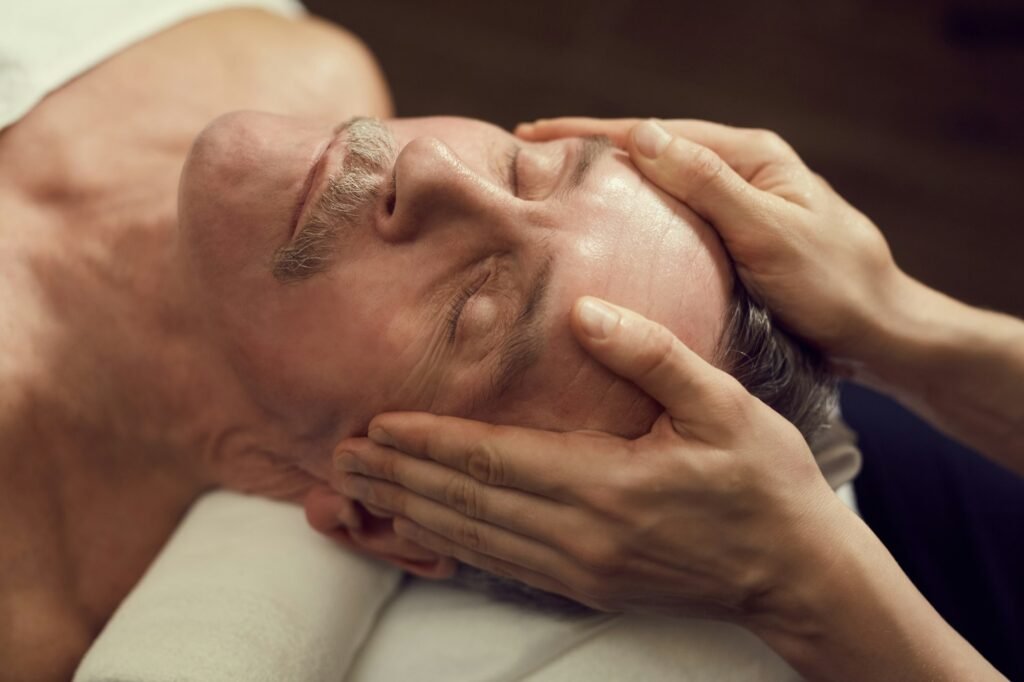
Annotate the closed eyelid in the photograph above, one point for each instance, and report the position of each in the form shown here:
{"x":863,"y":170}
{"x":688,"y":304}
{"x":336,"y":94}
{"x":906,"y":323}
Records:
{"x":464,"y":285}
{"x":503,"y":167}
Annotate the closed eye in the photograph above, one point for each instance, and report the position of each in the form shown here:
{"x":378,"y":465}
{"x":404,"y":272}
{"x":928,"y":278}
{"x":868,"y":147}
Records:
{"x":458,"y":304}
{"x":512,"y":166}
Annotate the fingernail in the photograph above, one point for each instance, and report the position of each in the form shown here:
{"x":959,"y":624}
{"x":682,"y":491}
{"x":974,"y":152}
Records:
{"x":346,"y":460}
{"x":524,"y":129}
{"x":651,"y":139}
{"x":381,"y":437}
{"x":598,"y":320}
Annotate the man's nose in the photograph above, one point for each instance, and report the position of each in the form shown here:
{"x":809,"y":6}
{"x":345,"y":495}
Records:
{"x":435,"y":190}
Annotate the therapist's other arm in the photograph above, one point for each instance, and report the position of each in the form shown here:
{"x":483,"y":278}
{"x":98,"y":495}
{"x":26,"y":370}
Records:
{"x":825,"y":270}
{"x":720,"y":511}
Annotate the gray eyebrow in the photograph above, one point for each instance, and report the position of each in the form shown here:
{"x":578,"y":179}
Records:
{"x":591,"y":149}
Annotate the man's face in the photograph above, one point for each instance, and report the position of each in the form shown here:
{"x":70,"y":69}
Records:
{"x":435,"y":276}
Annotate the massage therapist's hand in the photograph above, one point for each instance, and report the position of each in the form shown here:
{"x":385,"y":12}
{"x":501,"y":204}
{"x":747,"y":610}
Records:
{"x":719,"y":511}
{"x":715,"y":512}
{"x":816,"y":262}
{"x":826,"y":272}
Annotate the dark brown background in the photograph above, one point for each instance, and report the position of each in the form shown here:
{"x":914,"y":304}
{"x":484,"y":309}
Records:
{"x":913,"y":110}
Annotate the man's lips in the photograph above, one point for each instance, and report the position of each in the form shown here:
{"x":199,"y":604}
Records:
{"x":316,"y":169}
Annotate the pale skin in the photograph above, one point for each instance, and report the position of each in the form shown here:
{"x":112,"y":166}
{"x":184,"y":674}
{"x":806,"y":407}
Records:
{"x":719,"y":511}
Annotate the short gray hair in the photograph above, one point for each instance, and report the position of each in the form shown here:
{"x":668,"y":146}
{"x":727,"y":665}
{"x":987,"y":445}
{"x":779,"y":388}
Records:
{"x":784,"y":372}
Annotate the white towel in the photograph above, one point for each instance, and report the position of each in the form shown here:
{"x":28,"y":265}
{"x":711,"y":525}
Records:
{"x":433,"y":632}
{"x":244,"y":590}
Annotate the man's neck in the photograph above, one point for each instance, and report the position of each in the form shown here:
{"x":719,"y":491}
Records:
{"x":115,"y":411}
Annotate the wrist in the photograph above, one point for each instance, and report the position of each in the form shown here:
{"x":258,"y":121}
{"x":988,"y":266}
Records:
{"x":848,"y":612}
{"x":903,"y":334}
{"x":802,"y":598}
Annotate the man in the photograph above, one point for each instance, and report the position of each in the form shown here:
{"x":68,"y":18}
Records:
{"x":307,"y":271}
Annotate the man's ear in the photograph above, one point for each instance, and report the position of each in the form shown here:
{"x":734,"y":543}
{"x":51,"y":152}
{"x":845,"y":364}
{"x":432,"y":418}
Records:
{"x":354,"y":527}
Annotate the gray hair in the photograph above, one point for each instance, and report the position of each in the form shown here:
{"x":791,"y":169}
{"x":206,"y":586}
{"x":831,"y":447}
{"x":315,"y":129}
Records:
{"x":784,"y":372}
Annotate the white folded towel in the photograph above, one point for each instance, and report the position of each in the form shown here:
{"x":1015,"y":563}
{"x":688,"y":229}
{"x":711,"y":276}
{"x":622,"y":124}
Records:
{"x":243,"y":591}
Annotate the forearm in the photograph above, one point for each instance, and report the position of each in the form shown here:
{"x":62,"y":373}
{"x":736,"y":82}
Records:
{"x":856,"y":616}
{"x":959,"y":367}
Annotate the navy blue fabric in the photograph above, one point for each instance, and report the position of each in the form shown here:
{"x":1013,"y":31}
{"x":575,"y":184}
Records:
{"x":953,"y":520}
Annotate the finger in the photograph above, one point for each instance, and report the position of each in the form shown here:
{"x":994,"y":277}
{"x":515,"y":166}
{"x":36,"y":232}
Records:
{"x":493,"y":565}
{"x":538,"y":462}
{"x":541,"y":130}
{"x":698,"y":396}
{"x":519,"y":512}
{"x":746,"y":150}
{"x":700,"y":178}
{"x":470,"y":534}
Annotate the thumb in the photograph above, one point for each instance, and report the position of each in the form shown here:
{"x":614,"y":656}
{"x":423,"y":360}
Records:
{"x":700,"y":178}
{"x":695,"y":394}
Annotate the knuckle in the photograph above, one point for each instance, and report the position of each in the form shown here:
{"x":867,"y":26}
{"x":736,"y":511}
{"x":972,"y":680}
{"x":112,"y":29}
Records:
{"x":731,"y":399}
{"x":414,"y":533}
{"x":656,"y":351}
{"x":468,"y":535}
{"x":610,"y":500}
{"x":484,"y":463}
{"x":462,"y":495}
{"x":386,"y":497}
{"x":772,"y":142}
{"x":700,"y":167}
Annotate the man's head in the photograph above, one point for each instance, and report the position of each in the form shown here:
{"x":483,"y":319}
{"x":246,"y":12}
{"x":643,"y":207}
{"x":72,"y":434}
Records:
{"x":433,"y":267}
{"x":430,"y":264}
